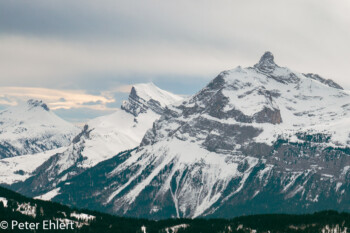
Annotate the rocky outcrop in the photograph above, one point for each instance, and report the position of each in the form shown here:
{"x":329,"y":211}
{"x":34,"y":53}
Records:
{"x":268,"y":115}
{"x":327,"y":82}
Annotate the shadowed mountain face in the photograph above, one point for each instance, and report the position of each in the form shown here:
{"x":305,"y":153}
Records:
{"x":262,"y":139}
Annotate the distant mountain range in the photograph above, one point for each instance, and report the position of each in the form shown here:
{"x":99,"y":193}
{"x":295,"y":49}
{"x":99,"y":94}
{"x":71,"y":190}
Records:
{"x":261,"y":139}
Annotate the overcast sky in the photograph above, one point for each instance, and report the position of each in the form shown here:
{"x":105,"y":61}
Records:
{"x":81,"y":56}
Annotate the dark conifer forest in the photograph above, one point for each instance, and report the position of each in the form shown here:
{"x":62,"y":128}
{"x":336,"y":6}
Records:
{"x":325,"y":221}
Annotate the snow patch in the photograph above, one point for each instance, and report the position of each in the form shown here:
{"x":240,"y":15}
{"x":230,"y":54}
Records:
{"x":48,"y":196}
{"x":4,"y":201}
{"x":82,"y":216}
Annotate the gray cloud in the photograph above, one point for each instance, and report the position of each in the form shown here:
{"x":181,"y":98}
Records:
{"x":180,"y":45}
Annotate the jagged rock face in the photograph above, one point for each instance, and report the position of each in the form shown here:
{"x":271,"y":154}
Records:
{"x":31,"y":128}
{"x":135,"y":105}
{"x":145,"y":97}
{"x":267,"y":63}
{"x":261,"y":139}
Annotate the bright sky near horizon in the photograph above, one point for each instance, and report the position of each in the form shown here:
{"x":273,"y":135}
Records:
{"x":81,"y":56}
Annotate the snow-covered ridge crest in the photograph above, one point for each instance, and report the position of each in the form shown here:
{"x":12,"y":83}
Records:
{"x":146,"y":96}
{"x":328,"y":82}
{"x":148,"y":91}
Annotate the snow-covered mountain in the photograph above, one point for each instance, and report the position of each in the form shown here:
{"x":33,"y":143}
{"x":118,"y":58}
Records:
{"x":31,"y":127}
{"x":260,"y":139}
{"x":102,"y":138}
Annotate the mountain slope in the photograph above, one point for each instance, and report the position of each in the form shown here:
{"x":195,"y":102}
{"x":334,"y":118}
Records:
{"x":262,"y":139}
{"x":20,"y":168}
{"x":101,"y":139}
{"x":31,"y":128}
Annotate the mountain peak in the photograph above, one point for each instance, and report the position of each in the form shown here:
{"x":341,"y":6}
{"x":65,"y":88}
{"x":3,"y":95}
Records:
{"x":145,"y":96}
{"x":149,"y":91}
{"x":267,"y":57}
{"x":37,"y":103}
{"x":266,"y":63}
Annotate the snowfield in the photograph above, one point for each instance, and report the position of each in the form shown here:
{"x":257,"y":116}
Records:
{"x":20,"y":168}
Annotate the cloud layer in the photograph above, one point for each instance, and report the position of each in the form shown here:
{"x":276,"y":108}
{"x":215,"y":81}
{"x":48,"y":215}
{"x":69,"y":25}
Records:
{"x":99,"y":46}
{"x":56,"y":99}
